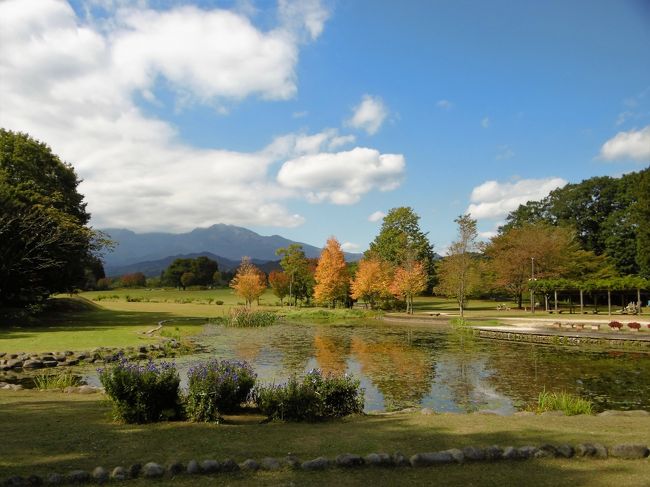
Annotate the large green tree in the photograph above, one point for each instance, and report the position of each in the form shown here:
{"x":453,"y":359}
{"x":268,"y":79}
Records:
{"x":401,"y":240}
{"x":602,"y":212}
{"x":45,"y":243}
{"x":300,"y":271}
{"x":642,"y":219}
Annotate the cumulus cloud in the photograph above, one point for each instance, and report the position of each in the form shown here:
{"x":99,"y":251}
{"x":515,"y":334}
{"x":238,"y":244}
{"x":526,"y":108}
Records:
{"x":342,"y":177}
{"x":444,"y":104}
{"x":634,"y":145}
{"x":493,"y":199}
{"x":376,"y":216}
{"x":350,"y":247}
{"x":369,"y":115}
{"x":72,"y":83}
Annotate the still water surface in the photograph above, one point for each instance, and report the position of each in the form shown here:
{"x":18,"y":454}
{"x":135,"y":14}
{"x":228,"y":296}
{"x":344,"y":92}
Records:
{"x":442,"y":368}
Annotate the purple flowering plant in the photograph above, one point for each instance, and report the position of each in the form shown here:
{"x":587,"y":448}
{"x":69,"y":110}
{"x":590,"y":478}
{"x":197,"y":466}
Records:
{"x":217,"y":387}
{"x":142,"y":393}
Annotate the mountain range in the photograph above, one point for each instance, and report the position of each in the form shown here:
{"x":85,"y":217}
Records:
{"x":227,"y":244}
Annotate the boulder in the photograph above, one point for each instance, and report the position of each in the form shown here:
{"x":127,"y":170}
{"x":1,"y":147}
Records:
{"x":34,"y":480}
{"x":399,"y":460}
{"x":152,"y":470}
{"x":78,"y":477}
{"x":134,"y":470}
{"x":119,"y":474}
{"x":565,"y":451}
{"x":547,"y":451}
{"x":428,"y":411}
{"x":175,"y":468}
{"x":431,"y":458}
{"x":269,"y":463}
{"x":585,"y":450}
{"x":347,"y":460}
{"x":193,"y":467}
{"x":378,"y":459}
{"x":229,"y":465}
{"x":15,"y":481}
{"x":601,"y":451}
{"x":14,"y":363}
{"x":100,"y":475}
{"x":628,"y":451}
{"x":292,"y":461}
{"x":250,"y":464}
{"x":54,"y":479}
{"x":493,"y":453}
{"x":319,"y":463}
{"x":50,"y":363}
{"x":474,"y":454}
{"x":526,"y":452}
{"x":209,"y":466}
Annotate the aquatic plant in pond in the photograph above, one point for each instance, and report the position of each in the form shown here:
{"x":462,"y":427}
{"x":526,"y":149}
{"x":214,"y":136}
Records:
{"x":312,"y":398}
{"x":59,"y":380}
{"x":217,"y":387}
{"x":246,"y":317}
{"x":570,"y":404}
{"x":142,"y":393}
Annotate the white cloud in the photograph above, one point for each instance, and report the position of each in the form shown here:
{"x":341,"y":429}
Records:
{"x":307,"y":16}
{"x":493,"y":199}
{"x":634,"y":144}
{"x":444,"y":104}
{"x":369,"y":115}
{"x":343,"y":177}
{"x":488,"y":234}
{"x":504,"y":152}
{"x":72,"y":83}
{"x":376,"y":216}
{"x":350,"y":247}
{"x":485,"y":122}
{"x":340,"y":141}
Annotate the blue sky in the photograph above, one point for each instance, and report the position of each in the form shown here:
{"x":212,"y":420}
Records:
{"x":306,"y":118}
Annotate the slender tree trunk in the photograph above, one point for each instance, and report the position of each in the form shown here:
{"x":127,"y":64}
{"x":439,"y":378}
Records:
{"x":555,"y":301}
{"x":520,"y":299}
{"x":638,"y":301}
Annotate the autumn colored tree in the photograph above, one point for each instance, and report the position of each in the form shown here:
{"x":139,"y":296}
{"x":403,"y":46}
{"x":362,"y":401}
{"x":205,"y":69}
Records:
{"x":458,"y":275}
{"x":136,"y":279}
{"x":511,"y":254}
{"x":332,"y":279}
{"x":249,"y":282}
{"x":372,"y":280}
{"x":410,"y":280}
{"x":280,"y":284}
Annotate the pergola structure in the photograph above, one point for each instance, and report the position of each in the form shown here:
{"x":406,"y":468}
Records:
{"x":620,"y":285}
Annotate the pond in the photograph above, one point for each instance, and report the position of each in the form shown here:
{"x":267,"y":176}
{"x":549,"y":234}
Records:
{"x":441,"y":367}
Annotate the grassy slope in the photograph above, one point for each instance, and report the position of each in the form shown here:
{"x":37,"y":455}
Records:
{"x":49,"y":431}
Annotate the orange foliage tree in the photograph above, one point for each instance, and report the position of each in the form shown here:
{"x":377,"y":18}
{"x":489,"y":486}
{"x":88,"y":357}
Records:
{"x":280,"y":283}
{"x":332,"y":279}
{"x":249,"y":282}
{"x":372,"y":280}
{"x":410,"y":280}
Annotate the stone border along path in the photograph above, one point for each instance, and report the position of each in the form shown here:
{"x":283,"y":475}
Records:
{"x":492,"y":453}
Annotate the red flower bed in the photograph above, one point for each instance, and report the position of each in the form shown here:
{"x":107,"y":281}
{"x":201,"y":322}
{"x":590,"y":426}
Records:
{"x":634,"y":325}
{"x":616,"y":324}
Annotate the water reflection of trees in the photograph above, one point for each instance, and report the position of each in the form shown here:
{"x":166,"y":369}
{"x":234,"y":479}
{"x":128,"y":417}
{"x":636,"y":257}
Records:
{"x":611,"y":380}
{"x":401,"y":372}
{"x":332,"y":349}
{"x":296,"y":345}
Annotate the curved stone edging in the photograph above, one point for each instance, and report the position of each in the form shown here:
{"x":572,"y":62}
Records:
{"x":562,"y":339}
{"x":152,"y":470}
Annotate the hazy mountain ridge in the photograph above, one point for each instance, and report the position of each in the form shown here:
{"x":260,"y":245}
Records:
{"x":145,"y":252}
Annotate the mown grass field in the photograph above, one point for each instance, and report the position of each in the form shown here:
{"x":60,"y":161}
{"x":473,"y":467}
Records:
{"x":42,"y":432}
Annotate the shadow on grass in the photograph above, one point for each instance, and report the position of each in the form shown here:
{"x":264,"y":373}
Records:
{"x":53,"y":432}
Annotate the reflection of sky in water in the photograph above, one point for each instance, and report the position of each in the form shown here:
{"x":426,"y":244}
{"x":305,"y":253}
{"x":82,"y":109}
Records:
{"x":441,"y":368}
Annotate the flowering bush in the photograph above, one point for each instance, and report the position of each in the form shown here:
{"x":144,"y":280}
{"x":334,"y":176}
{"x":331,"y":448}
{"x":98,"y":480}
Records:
{"x":314,"y":397}
{"x":616,"y":324}
{"x":142,"y":393}
{"x":217,"y":387}
{"x":634,"y":325}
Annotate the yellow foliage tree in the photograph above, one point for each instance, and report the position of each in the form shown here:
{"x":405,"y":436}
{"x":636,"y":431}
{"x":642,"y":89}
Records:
{"x":332,"y":279}
{"x":372,"y":280}
{"x":410,"y":280}
{"x":249,"y":282}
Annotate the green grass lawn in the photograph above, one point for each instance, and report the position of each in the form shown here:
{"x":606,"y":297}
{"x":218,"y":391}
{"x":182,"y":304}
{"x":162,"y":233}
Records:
{"x":42,"y":432}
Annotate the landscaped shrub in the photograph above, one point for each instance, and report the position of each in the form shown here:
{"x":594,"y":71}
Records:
{"x":142,"y":393}
{"x":615,"y":325}
{"x":312,"y":398}
{"x":563,"y":401}
{"x":218,"y":302}
{"x":246,"y":317}
{"x":217,"y":387}
{"x":634,"y":325}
